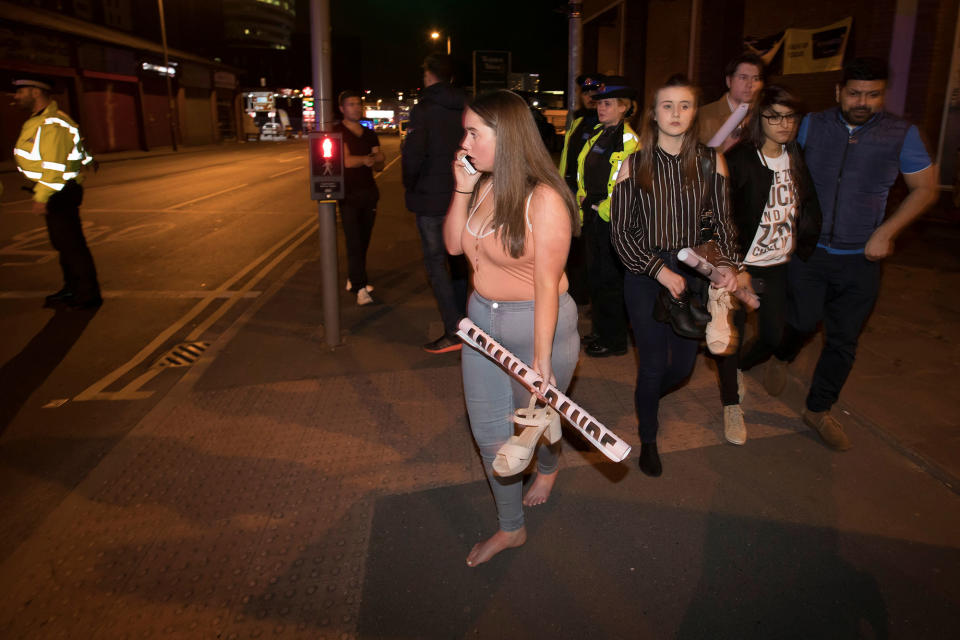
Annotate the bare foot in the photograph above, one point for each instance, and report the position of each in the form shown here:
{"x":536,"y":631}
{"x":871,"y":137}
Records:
{"x":483,"y":551}
{"x":540,"y":489}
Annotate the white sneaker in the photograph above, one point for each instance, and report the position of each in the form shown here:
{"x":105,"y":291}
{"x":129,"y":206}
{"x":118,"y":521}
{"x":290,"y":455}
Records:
{"x":369,"y":287}
{"x":734,"y":430}
{"x":364,"y":297}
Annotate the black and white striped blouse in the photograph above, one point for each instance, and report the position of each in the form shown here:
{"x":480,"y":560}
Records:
{"x":642,"y":224}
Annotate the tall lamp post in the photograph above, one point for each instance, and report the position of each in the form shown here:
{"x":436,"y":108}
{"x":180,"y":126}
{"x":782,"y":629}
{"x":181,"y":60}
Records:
{"x":171,"y":105}
{"x":435,"y":35}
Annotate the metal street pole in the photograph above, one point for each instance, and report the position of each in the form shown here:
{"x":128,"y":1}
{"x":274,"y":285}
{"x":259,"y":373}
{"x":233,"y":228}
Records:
{"x":171,"y":105}
{"x":574,"y":47}
{"x":326,"y":210}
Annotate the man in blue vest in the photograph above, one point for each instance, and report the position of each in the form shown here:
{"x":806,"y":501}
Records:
{"x":855,"y":151}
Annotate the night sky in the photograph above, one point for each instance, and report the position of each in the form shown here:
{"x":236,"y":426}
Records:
{"x":380,"y":44}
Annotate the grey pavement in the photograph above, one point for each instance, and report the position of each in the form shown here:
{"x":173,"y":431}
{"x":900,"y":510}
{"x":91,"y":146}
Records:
{"x":282,"y":489}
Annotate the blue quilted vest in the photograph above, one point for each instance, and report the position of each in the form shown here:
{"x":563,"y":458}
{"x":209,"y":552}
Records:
{"x":853,"y":173}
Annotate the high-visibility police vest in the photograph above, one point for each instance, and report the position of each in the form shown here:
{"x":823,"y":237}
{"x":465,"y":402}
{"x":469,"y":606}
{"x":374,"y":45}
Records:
{"x":50,"y":152}
{"x":630,"y":144}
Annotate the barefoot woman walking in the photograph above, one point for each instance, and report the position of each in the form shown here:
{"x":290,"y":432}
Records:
{"x":513,"y":219}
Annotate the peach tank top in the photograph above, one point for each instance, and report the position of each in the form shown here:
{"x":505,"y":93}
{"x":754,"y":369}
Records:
{"x":497,"y":275}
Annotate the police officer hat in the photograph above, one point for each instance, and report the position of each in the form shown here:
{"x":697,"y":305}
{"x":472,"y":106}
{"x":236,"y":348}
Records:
{"x":590,"y":81}
{"x":616,"y":87}
{"x":32,"y":81}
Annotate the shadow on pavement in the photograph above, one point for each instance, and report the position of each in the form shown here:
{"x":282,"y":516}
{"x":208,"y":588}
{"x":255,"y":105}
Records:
{"x":634,"y":561}
{"x":25,"y":372}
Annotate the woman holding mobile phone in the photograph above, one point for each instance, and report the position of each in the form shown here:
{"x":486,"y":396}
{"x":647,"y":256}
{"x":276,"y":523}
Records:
{"x":513,"y":219}
{"x":657,"y":208}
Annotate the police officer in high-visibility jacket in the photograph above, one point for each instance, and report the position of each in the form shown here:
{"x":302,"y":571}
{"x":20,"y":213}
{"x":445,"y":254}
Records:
{"x":50,"y":153}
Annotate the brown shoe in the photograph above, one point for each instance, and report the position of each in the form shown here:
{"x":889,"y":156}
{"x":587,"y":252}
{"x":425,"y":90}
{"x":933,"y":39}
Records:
{"x":829,"y":429}
{"x":775,"y":376}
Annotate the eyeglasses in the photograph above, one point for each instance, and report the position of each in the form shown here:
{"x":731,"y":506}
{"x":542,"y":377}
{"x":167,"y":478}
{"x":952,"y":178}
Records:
{"x":777,"y":118}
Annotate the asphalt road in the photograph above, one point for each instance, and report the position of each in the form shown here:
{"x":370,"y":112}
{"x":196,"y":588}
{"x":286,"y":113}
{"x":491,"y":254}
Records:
{"x":183,"y":244}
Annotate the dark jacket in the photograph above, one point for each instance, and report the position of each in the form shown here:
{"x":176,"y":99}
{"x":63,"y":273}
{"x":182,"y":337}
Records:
{"x":434,"y":135}
{"x":750,"y":183}
{"x":853,"y":173}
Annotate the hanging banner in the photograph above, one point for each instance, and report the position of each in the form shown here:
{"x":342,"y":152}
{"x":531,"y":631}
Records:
{"x":816,"y":50}
{"x":766,"y":47}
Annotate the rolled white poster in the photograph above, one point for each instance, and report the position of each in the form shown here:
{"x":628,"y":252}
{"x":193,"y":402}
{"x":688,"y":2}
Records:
{"x":690,"y":257}
{"x":727,"y":127}
{"x":589,"y":427}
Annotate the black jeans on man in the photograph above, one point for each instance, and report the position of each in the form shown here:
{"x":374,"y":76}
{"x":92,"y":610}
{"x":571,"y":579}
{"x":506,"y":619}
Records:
{"x":66,"y":236}
{"x":605,"y":279}
{"x":840,"y":290}
{"x":357,"y":218}
{"x":447,"y":274}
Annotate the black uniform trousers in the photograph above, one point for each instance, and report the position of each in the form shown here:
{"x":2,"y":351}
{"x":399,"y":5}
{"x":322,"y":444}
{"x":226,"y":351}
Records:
{"x":66,"y":236}
{"x":605,"y":280}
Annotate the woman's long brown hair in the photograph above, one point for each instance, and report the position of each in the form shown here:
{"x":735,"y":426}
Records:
{"x":753,"y":133}
{"x":650,"y":132}
{"x":521,"y":162}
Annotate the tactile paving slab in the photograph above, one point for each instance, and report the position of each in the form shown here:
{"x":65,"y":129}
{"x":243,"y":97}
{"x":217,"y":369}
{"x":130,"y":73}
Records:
{"x":246,"y":512}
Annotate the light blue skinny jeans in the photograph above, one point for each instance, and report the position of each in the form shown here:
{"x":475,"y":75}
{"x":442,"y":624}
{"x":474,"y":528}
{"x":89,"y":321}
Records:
{"x":492,"y":394}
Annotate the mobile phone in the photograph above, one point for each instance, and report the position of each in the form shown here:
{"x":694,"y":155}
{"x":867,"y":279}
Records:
{"x":467,"y":165}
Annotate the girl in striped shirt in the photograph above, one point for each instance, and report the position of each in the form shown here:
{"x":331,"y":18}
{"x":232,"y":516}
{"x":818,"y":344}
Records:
{"x":657,"y":208}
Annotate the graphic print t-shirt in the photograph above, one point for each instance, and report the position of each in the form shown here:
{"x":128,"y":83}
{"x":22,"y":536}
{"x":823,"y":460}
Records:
{"x":774,"y":240}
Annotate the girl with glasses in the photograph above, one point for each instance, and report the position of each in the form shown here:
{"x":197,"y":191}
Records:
{"x":776,"y":212}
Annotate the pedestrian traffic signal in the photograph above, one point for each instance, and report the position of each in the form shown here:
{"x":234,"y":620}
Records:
{"x":326,"y":166}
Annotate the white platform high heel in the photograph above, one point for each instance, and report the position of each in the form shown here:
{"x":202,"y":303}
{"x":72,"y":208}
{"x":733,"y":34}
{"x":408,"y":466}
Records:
{"x":516,"y":453}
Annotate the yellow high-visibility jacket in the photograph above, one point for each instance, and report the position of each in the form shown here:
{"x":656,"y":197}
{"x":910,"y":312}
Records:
{"x":630,"y":144}
{"x":50,"y":152}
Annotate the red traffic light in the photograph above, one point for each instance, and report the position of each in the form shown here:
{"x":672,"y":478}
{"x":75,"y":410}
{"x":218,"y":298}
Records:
{"x":327,"y":146}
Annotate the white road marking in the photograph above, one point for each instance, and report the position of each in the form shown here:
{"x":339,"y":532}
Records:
{"x":133,"y":391}
{"x":133,"y":293}
{"x":209,"y":195}
{"x":299,"y":156}
{"x":96,"y":390}
{"x":283,"y":173}
{"x":389,"y":164}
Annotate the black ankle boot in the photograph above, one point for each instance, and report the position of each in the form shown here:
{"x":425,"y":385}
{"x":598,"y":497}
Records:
{"x":650,"y":459}
{"x":676,"y":312}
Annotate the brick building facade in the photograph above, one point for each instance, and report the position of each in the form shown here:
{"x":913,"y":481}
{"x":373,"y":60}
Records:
{"x":649,"y":40}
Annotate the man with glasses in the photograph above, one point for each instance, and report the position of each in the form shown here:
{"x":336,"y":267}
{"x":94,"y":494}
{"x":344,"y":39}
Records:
{"x":855,"y":152}
{"x":744,"y":76}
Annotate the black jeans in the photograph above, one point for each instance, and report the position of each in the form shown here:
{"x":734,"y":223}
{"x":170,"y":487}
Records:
{"x":357,"y":217}
{"x":66,"y":236}
{"x":771,"y":282}
{"x":605,"y":280}
{"x":447,"y":274}
{"x":664,"y":358}
{"x":840,"y":290}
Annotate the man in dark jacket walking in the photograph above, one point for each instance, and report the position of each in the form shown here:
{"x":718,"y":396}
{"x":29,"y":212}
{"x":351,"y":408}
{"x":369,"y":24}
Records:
{"x":434,"y":135}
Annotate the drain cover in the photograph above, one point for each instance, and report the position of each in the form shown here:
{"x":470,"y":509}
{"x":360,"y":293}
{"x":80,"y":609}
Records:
{"x":183,"y":355}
